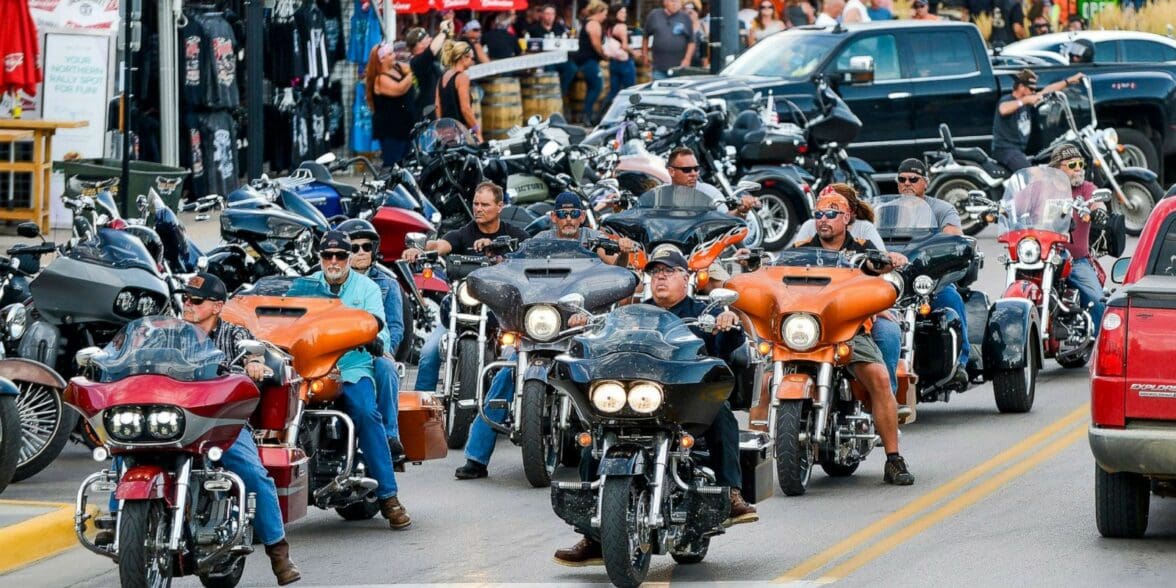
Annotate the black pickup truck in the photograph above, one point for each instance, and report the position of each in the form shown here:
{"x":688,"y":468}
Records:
{"x":925,"y":73}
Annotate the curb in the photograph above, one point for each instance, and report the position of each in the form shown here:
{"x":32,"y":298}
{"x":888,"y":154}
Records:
{"x":37,"y":538}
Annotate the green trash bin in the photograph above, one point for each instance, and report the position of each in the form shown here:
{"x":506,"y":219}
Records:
{"x":168,"y":181}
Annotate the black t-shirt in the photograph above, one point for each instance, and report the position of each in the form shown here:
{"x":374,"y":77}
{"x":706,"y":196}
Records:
{"x":424,"y":69}
{"x":1005,"y":13}
{"x":978,"y":7}
{"x":219,"y":62}
{"x":462,"y":240}
{"x":1012,"y":131}
{"x":192,"y":88}
{"x":500,"y":43}
{"x":537,"y":30}
{"x":852,"y":245}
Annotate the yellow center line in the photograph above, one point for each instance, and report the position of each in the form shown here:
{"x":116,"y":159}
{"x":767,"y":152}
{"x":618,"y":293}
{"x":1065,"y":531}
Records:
{"x":957,"y":505}
{"x":929,"y":499}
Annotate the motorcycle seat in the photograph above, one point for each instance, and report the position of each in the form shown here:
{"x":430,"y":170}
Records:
{"x":576,"y":134}
{"x":322,"y":175}
{"x":738,"y":135}
{"x":980,"y":157}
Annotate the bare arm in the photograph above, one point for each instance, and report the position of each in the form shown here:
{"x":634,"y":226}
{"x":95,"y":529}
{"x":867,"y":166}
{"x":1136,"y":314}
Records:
{"x":594,"y":36}
{"x":463,"y":100}
{"x":952,"y":230}
{"x":437,"y":98}
{"x":1009,"y":107}
{"x":442,"y":35}
{"x":386,"y":85}
{"x":856,"y":16}
{"x":480,"y":53}
{"x":689,"y":53}
{"x":622,"y":37}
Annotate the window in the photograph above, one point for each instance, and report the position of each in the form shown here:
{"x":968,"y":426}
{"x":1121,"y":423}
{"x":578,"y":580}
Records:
{"x":1137,"y":51}
{"x":1104,"y":52}
{"x":1163,"y":261}
{"x":947,"y":53}
{"x":882,"y":48}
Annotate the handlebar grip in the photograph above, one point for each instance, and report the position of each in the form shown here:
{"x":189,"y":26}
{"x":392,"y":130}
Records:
{"x":33,"y":250}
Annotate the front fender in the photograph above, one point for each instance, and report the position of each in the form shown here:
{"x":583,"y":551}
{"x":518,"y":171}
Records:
{"x":26,"y":370}
{"x":1137,"y":174}
{"x":626,"y":460}
{"x":860,"y":166}
{"x":1024,"y":289}
{"x":7,"y":388}
{"x":146,"y":482}
{"x":1010,"y":324}
{"x":537,"y":369}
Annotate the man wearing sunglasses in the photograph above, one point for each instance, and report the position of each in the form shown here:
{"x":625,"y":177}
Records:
{"x":1014,"y":118}
{"x":567,"y":220}
{"x":356,"y":369}
{"x":1069,"y":159}
{"x":833,"y":216}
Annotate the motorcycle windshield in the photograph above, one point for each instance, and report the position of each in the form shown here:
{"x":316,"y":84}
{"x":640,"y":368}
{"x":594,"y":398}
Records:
{"x":114,"y":248}
{"x":442,"y":134}
{"x":903,"y":216}
{"x":160,"y":345}
{"x":671,"y":196}
{"x":641,"y":328}
{"x":813,"y":257}
{"x":1036,"y":198}
{"x":551,"y":249}
{"x":293,"y":287}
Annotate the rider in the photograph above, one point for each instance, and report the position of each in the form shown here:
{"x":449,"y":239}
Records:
{"x":670,"y":277}
{"x":357,"y":372}
{"x":568,"y":219}
{"x":832,"y":214}
{"x":1068,"y":158}
{"x":912,"y":181}
{"x":1080,"y":51}
{"x":1013,"y":119}
{"x":365,"y":247}
{"x":468,"y":240}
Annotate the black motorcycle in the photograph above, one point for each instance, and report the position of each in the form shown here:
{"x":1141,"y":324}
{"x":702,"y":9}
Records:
{"x":523,"y":292}
{"x":641,"y":380}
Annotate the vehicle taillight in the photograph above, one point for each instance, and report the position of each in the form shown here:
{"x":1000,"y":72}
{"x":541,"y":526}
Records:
{"x":1111,"y":352}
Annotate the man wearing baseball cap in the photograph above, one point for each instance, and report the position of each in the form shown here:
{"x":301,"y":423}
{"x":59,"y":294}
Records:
{"x":922,"y":11}
{"x":1069,"y":159}
{"x":567,"y":220}
{"x":1014,"y":118}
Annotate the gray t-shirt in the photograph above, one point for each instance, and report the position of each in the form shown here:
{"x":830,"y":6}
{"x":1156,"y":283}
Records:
{"x":860,"y":229}
{"x":945,"y":213}
{"x":586,"y":234}
{"x":1012,"y":131}
{"x":669,"y":36}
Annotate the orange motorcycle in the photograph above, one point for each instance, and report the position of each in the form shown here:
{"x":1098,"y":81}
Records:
{"x":803,"y":311}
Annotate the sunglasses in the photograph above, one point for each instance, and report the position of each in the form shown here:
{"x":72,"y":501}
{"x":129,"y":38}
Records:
{"x":566,"y":214}
{"x":687,"y":169}
{"x":663,"y":271}
{"x":1076,"y":164}
{"x":766,"y":7}
{"x":829,"y":214}
{"x":193,"y":300}
{"x":334,"y":255}
{"x":357,"y":247}
{"x":1041,"y":26}
{"x":908,"y":179}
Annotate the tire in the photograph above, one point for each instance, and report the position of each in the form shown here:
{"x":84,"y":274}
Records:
{"x":866,"y":186}
{"x":1141,"y":199}
{"x":360,"y":511}
{"x":229,"y":580}
{"x":457,"y":419}
{"x":425,"y":319}
{"x":836,"y":470}
{"x":1121,"y":504}
{"x":794,"y":460}
{"x":10,"y":436}
{"x":46,"y":423}
{"x":408,"y":315}
{"x":955,"y":192}
{"x":540,"y":450}
{"x":139,"y":521}
{"x":778,"y":219}
{"x":694,"y":553}
{"x":1139,"y":150}
{"x":1015,"y":389}
{"x":623,"y":539}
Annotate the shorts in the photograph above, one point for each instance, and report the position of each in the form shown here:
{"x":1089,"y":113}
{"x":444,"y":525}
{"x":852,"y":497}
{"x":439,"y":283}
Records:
{"x":865,"y":350}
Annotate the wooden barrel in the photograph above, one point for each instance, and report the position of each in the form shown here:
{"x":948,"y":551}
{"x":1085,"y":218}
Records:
{"x":541,"y":95}
{"x":502,"y":107}
{"x":476,"y":95}
{"x":644,"y":73}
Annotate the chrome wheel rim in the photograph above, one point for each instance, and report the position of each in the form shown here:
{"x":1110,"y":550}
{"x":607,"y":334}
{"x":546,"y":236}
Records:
{"x":1137,"y":207}
{"x":40,"y":409}
{"x":773,"y":218}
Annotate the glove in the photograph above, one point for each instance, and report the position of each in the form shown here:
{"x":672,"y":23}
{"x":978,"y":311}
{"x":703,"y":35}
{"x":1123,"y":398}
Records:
{"x":376,"y":347}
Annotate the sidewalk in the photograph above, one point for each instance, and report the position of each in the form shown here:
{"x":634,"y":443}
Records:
{"x":31,"y":531}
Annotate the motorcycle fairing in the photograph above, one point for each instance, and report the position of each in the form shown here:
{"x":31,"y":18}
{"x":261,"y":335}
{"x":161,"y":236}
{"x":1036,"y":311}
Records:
{"x":1009,"y":323}
{"x":394,"y":224}
{"x":56,"y":291}
{"x":683,"y":228}
{"x":943,"y":257}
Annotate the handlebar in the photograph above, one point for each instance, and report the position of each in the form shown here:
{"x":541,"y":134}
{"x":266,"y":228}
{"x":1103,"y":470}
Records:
{"x":41,"y":249}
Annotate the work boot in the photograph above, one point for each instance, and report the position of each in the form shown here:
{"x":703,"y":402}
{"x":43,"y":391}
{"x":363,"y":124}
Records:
{"x":960,"y":380}
{"x":284,"y":569}
{"x":585,"y":553}
{"x":897,"y":472}
{"x":395,"y":513}
{"x":741,"y":511}
{"x":471,"y":470}
{"x":397,"y":451}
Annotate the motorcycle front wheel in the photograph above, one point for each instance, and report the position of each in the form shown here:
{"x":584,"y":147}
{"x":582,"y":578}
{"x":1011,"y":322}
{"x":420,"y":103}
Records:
{"x":1141,"y":199}
{"x":542,"y":440}
{"x":457,"y":418}
{"x":794,"y":459}
{"x":46,"y":423}
{"x":624,"y":538}
{"x":144,"y":560}
{"x":955,"y":192}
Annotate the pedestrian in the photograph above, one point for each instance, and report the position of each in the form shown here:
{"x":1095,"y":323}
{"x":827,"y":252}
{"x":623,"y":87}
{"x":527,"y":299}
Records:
{"x":765,"y":22}
{"x":425,"y":52}
{"x":798,"y":13}
{"x":855,"y":11}
{"x":500,"y":40}
{"x":589,"y":55}
{"x":622,"y":69}
{"x":1040,"y":27}
{"x":472,"y":33}
{"x":831,"y":11}
{"x":1008,"y":23}
{"x":1075,"y":24}
{"x":668,"y":41}
{"x":452,"y":98}
{"x":922,"y":11}
{"x":880,"y":9}
{"x":690,"y":7}
{"x":391,"y":95}
{"x":548,"y":26}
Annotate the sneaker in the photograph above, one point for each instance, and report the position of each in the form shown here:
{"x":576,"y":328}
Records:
{"x":897,"y":472}
{"x":741,"y":511}
{"x":395,"y":513}
{"x":472,"y":470}
{"x":585,"y":553}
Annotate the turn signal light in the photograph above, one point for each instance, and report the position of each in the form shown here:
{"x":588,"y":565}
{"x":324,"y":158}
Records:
{"x":317,"y":386}
{"x":843,"y":350}
{"x":764,"y":348}
{"x":924,"y":309}
{"x":584,"y":439}
{"x":427,"y":273}
{"x":687,"y":441}
{"x":990,"y":218}
{"x":703,"y":278}
{"x":509,"y":339}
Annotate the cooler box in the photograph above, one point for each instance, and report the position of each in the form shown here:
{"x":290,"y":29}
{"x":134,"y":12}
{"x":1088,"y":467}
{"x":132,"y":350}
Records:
{"x":758,"y":466}
{"x":289,"y":469}
{"x":422,"y":426}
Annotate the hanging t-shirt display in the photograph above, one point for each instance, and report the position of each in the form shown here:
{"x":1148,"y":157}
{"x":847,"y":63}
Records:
{"x":191,"y":74}
{"x":335,"y":114}
{"x":219,"y":62}
{"x":311,"y":25}
{"x":192,"y":154}
{"x":218,"y":134}
{"x":365,"y":32}
{"x":333,"y":25}
{"x":285,"y":57}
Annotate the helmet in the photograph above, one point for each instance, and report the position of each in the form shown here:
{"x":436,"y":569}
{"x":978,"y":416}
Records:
{"x":359,"y":228}
{"x":693,"y":118}
{"x":150,"y":240}
{"x":1080,"y":51}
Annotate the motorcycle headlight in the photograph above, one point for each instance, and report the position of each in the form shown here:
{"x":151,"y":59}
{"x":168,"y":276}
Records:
{"x":165,"y":423}
{"x":924,"y":285}
{"x":465,"y":297}
{"x":1029,"y":250}
{"x":16,"y":317}
{"x":800,"y":332}
{"x":124,"y":423}
{"x":146,"y":305}
{"x":283,"y":229}
{"x":645,"y":397}
{"x":1110,"y":139}
{"x":542,"y":322}
{"x":895,"y":280}
{"x":608,"y":396}
{"x":125,"y":302}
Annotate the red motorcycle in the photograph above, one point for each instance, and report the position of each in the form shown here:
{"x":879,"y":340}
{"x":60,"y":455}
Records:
{"x":1035,"y":215}
{"x":155,"y":399}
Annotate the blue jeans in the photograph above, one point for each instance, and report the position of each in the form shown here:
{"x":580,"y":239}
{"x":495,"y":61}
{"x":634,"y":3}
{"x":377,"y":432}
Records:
{"x":1085,"y":279}
{"x":888,"y":336}
{"x":621,"y":75}
{"x":480,"y":445}
{"x":359,"y":402}
{"x":949,"y":297}
{"x":591,"y":71}
{"x":429,"y":367}
{"x":567,"y":74}
{"x":388,"y":395}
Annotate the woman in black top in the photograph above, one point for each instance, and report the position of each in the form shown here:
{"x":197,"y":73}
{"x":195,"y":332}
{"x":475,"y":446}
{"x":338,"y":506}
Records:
{"x":587,"y":58}
{"x":453,"y":93}
{"x":500,"y":40}
{"x":392,"y":98}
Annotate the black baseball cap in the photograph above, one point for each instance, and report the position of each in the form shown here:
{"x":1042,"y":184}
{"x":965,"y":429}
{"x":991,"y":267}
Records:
{"x":206,"y":286}
{"x":669,"y":257}
{"x":914,"y":166}
{"x":568,"y":200}
{"x":335,"y":241}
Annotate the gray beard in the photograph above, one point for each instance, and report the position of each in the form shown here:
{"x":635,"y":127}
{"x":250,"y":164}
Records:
{"x":1076,"y":181}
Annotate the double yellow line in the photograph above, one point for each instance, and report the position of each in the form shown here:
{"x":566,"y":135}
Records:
{"x":1071,"y":433}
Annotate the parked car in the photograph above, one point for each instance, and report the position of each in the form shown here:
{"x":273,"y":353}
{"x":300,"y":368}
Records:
{"x":1109,"y":46}
{"x":1133,"y":383}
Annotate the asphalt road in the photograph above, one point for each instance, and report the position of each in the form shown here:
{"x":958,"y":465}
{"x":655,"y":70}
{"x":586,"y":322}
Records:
{"x":999,"y":500}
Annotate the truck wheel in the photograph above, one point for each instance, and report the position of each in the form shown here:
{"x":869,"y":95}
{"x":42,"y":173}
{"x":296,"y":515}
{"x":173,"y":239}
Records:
{"x":1121,"y":503}
{"x":625,"y":540}
{"x":1138,"y":150}
{"x":1016,"y":388}
{"x":541,"y":441}
{"x":1141,"y":199}
{"x":144,"y":560}
{"x":778,"y":219}
{"x":46,"y":423}
{"x":955,"y":192}
{"x":458,"y":419}
{"x":794,"y":459}
{"x":9,"y":440}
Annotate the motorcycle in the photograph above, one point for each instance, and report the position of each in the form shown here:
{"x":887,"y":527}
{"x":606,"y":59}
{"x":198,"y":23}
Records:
{"x":826,"y":136}
{"x":645,"y":388}
{"x":155,"y":399}
{"x":522,"y":292}
{"x":10,"y":431}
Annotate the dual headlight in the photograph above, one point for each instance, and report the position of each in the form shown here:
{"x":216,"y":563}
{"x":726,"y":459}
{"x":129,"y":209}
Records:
{"x":1029,"y":250}
{"x":642,"y":397}
{"x":465,"y":297}
{"x":542,"y":322}
{"x":136,"y":303}
{"x":800,"y":331}
{"x":144,"y":424}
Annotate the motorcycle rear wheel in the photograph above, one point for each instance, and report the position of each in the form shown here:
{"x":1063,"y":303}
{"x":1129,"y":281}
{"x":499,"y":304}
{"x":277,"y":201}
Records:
{"x":778,"y":219}
{"x":458,"y":419}
{"x":10,"y":436}
{"x":794,"y":459}
{"x":541,"y":440}
{"x":144,"y":521}
{"x":229,"y":580}
{"x":1142,"y":198}
{"x":624,"y":539}
{"x":46,"y":423}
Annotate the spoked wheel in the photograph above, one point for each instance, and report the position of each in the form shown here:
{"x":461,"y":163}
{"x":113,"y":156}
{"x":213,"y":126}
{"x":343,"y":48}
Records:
{"x":144,"y":560}
{"x":9,"y":439}
{"x":542,"y":440}
{"x":457,"y":418}
{"x":624,"y":536}
{"x":46,"y":423}
{"x":794,"y":458}
{"x":955,"y":192}
{"x":777,"y":218}
{"x":1140,"y":198}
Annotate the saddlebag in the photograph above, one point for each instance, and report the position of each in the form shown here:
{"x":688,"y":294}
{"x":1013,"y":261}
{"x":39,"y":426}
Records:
{"x":935,"y":355}
{"x":289,"y":468}
{"x":755,"y":459}
{"x":422,"y":428}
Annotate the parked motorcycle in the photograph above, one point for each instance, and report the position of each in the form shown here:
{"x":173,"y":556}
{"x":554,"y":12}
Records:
{"x":10,"y":431}
{"x":826,"y":137}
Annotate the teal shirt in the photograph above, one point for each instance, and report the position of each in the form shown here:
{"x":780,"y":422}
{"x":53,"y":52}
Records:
{"x":359,"y":291}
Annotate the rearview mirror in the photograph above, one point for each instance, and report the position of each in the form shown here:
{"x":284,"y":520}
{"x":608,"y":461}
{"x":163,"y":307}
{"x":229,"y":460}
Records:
{"x":416,"y":240}
{"x":748,"y":186}
{"x":723,"y":297}
{"x":1101,"y":195}
{"x":860,"y":70}
{"x":85,"y":356}
{"x":1119,"y":270}
{"x":571,"y":303}
{"x":28,"y":230}
{"x":251,"y":347}
{"x":534,"y":120}
{"x":326,"y":158}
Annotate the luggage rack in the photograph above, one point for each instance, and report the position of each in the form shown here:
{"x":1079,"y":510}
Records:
{"x":300,"y":177}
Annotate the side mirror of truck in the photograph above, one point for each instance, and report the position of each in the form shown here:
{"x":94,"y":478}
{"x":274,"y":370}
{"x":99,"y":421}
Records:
{"x":860,"y":70}
{"x":1119,"y":270}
